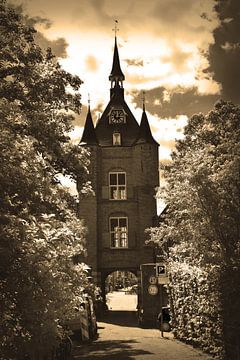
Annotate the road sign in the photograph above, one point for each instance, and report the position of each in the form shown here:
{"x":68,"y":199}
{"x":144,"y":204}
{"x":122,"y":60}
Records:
{"x":163,"y":280}
{"x":152,"y":279}
{"x":161,"y":269}
{"x":152,"y":289}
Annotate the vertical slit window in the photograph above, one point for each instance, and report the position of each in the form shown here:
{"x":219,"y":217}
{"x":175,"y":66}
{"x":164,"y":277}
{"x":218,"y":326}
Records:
{"x":116,"y":139}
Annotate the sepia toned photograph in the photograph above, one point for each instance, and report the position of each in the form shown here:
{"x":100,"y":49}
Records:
{"x":120,"y":180}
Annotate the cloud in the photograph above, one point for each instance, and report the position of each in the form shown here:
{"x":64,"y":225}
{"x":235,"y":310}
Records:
{"x":178,"y":57}
{"x":179,"y":101}
{"x":224,"y":53}
{"x":164,"y":45}
{"x":134,"y":62}
{"x":58,"y":46}
{"x":161,"y":18}
{"x":91,"y":63}
{"x":80,"y":119}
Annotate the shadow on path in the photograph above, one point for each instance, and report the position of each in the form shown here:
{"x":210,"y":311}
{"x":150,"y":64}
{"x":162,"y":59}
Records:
{"x":121,"y":318}
{"x":111,"y":350}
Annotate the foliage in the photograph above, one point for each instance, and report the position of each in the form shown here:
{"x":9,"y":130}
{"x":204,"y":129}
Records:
{"x":36,"y":82}
{"x":40,"y":233}
{"x":201,"y":226}
{"x":194,"y":294}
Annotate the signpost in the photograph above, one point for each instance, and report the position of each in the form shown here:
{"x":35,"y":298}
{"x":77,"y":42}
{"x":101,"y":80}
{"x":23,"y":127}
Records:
{"x":161,"y":269}
{"x":151,"y":296}
{"x":163,"y":279}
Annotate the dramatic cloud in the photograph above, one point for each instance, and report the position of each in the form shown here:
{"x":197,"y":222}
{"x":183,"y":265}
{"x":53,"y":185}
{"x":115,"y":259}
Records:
{"x":161,"y":44}
{"x":58,"y":46}
{"x":224,"y":54}
{"x":168,"y":19}
{"x":179,"y":101}
{"x":182,"y":53}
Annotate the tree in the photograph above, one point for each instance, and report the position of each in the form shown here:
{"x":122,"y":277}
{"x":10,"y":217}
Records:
{"x":40,"y":233}
{"x":38,"y":84}
{"x":202,"y":227}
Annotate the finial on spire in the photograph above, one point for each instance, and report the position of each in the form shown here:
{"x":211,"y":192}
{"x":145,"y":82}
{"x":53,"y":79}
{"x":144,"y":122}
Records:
{"x":115,"y":28}
{"x":143,"y":100}
{"x":89,"y":100}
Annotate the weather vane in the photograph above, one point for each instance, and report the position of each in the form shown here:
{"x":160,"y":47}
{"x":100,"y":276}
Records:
{"x":115,"y":28}
{"x":89,"y":100}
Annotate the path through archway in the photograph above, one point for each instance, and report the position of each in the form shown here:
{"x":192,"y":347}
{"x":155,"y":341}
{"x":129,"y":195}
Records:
{"x":121,"y":291}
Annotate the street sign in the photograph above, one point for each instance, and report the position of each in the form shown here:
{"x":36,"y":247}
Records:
{"x":152,"y":289}
{"x":163,"y":280}
{"x":152,"y":279}
{"x":161,"y":269}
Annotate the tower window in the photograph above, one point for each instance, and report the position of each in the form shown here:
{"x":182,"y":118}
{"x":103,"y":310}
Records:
{"x":119,"y":232}
{"x":116,"y":139}
{"x":117,"y":186}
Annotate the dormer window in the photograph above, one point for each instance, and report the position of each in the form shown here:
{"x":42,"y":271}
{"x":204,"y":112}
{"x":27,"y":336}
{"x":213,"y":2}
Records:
{"x":116,"y":139}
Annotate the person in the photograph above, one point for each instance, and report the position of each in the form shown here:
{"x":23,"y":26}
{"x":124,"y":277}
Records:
{"x":164,"y":322}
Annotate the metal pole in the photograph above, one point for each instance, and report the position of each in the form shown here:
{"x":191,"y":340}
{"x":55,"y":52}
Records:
{"x":161,"y":307}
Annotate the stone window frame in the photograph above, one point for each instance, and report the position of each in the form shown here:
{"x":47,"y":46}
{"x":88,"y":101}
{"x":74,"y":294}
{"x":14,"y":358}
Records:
{"x":117,"y":140}
{"x":117,"y":190}
{"x":118,"y":234}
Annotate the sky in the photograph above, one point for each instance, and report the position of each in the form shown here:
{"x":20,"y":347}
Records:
{"x":183,"y":53}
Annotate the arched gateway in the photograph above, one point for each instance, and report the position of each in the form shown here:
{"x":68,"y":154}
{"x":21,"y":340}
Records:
{"x":124,"y":176}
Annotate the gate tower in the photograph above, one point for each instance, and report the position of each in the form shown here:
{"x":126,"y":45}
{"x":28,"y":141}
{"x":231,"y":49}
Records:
{"x":124,"y":176}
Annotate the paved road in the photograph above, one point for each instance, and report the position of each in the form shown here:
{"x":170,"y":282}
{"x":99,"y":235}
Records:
{"x":121,"y":339}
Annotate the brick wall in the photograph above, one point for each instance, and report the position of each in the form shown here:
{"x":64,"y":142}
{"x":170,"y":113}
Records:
{"x":140,"y":163}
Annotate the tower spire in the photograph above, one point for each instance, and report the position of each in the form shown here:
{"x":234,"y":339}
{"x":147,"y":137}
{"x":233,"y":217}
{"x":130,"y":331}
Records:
{"x":89,"y":136}
{"x":145,"y":134}
{"x":116,"y":76}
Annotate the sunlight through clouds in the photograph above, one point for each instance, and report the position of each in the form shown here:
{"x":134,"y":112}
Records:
{"x":163,"y":48}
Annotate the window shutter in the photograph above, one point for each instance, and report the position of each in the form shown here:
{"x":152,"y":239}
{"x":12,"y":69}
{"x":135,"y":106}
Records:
{"x":106,"y":240}
{"x":105,"y":192}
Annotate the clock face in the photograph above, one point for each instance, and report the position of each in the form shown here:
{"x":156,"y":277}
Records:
{"x":117,"y":116}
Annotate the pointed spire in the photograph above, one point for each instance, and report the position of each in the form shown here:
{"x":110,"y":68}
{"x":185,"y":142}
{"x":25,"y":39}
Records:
{"x":116,"y":74}
{"x":145,"y":134}
{"x":89,"y":136}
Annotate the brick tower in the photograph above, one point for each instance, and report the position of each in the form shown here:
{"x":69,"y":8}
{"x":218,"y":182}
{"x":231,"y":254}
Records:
{"x":124,"y":176}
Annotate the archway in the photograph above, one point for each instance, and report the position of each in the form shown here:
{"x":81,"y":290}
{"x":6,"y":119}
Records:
{"x":121,"y":289}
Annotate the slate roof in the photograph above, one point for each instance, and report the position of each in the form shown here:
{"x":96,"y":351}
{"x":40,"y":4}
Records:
{"x":116,"y":73}
{"x":89,"y":135}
